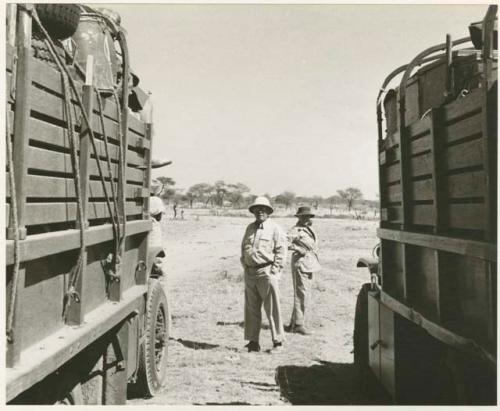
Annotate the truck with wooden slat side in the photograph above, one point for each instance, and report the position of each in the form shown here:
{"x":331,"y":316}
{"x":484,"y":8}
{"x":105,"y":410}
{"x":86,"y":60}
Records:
{"x":426,"y":325}
{"x":87,"y":316}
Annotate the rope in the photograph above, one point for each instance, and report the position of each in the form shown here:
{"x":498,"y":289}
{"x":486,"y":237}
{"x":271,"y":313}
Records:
{"x":116,"y":225}
{"x":72,"y":293}
{"x":121,"y":151}
{"x":15,"y":223}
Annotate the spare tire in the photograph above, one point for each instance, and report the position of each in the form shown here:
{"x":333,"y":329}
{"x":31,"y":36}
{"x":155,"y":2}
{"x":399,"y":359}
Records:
{"x":60,"y":20}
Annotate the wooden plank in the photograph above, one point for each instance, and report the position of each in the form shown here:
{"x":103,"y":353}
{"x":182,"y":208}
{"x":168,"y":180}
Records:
{"x":421,"y":165}
{"x":391,"y":173}
{"x":48,"y":355}
{"x":467,"y":127}
{"x":436,"y":330}
{"x":478,"y":249}
{"x":422,"y":190}
{"x":52,"y":187}
{"x":418,"y":128}
{"x":47,"y":133}
{"x":463,"y":106}
{"x":41,"y":245}
{"x":423,"y":214}
{"x":51,"y":161}
{"x":466,"y":216}
{"x":420,"y":145}
{"x":13,"y":349}
{"x":466,"y":185}
{"x":393,"y":193}
{"x":48,"y":213}
{"x":468,"y":154}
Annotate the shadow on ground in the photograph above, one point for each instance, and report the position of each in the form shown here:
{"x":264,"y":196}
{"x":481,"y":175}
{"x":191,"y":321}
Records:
{"x":325,"y":383}
{"x":241,"y":324}
{"x":199,"y":345}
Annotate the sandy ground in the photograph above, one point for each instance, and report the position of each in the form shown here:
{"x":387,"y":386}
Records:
{"x":207,"y":360}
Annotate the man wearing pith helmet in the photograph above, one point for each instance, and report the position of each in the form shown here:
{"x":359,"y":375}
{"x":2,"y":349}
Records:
{"x":263,"y":253}
{"x":303,"y":241}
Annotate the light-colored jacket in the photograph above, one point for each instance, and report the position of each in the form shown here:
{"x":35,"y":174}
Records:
{"x":266,"y":245}
{"x":304,"y":243}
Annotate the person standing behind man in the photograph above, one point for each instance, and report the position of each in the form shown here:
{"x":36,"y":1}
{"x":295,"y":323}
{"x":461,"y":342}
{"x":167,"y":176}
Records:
{"x":263,"y":254}
{"x":303,"y":242}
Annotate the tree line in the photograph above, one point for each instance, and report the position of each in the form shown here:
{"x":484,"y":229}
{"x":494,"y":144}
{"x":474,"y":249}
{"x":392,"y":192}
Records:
{"x":238,"y":195}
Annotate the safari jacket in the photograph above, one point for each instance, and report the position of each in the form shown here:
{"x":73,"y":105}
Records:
{"x":264,"y":246}
{"x":304,"y":243}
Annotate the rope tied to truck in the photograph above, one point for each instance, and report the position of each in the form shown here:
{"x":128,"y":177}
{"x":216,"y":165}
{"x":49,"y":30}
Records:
{"x":71,"y":292}
{"x":17,"y":259}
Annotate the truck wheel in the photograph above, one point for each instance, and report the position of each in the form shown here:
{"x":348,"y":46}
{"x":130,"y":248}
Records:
{"x":365,"y":380}
{"x":60,"y":20}
{"x":153,"y":352}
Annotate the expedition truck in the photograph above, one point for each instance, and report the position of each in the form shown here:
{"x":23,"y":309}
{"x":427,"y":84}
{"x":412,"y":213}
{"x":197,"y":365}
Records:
{"x":425,"y":327}
{"x":84,"y":315}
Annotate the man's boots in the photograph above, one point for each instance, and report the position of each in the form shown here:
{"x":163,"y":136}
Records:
{"x":253,"y":346}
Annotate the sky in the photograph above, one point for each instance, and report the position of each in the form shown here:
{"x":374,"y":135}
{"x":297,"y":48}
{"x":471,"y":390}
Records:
{"x":278,"y":97}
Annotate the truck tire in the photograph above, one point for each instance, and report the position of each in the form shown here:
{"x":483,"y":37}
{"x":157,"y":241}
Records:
{"x":60,"y":20}
{"x":361,"y":330}
{"x":153,"y":352}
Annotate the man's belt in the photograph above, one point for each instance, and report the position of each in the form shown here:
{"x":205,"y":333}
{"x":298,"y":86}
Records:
{"x":261,"y":265}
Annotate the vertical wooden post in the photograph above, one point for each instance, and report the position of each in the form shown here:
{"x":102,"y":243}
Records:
{"x":11,"y":24}
{"x":403,"y":168}
{"x":115,"y":288}
{"x":21,"y":117}
{"x":147,"y":173}
{"x":438,"y":189}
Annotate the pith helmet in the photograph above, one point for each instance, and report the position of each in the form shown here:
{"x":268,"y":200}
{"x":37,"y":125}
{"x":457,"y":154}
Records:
{"x":156,"y":206}
{"x":156,"y":187}
{"x":262,"y":201}
{"x":304,"y":210}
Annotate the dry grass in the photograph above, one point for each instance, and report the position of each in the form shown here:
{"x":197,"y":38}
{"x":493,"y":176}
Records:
{"x":208,"y":364}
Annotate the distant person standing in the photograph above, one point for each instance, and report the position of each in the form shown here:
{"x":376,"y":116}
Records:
{"x":175,"y":210}
{"x":263,"y":253}
{"x":303,"y":241}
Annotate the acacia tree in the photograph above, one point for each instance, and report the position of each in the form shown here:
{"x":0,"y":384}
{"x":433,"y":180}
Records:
{"x":200,"y":192}
{"x":287,"y":198}
{"x":350,"y":195}
{"x":332,"y":200}
{"x":168,"y":188}
{"x":236,"y":193}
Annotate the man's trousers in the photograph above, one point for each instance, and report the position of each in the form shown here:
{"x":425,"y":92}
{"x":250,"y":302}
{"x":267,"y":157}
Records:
{"x":261,"y":288}
{"x":301,"y":286}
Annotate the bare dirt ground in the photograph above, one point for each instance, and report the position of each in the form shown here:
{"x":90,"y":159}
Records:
{"x":207,"y":360}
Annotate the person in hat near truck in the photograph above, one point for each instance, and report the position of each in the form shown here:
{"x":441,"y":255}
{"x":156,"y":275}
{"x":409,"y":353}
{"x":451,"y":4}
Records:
{"x":303,"y":241}
{"x":263,"y":254}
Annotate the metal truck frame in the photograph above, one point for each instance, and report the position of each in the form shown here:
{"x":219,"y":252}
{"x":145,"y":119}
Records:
{"x":426,"y":325}
{"x":84,"y":318}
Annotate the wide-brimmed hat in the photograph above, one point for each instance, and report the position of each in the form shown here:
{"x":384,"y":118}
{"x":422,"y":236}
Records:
{"x":304,"y":210}
{"x":261,"y":201}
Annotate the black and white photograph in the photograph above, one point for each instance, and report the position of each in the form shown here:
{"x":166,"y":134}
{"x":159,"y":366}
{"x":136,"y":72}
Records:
{"x":250,"y":203}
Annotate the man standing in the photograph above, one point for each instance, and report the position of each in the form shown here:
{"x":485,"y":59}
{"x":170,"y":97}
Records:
{"x":303,"y":241}
{"x":263,"y":253}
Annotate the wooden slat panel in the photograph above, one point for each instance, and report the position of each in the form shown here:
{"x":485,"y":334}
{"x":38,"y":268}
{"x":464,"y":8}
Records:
{"x":422,"y":190}
{"x":52,"y":161}
{"x":51,"y":187}
{"x":467,"y":127}
{"x":463,"y":106}
{"x":465,"y":155}
{"x":51,"y":134}
{"x":419,"y":127}
{"x":421,"y":165}
{"x":47,"y":213}
{"x":422,"y":214}
{"x":466,"y":216}
{"x":48,"y":77}
{"x":391,"y":173}
{"x":420,"y":145}
{"x":466,"y":185}
{"x":394,"y":193}
{"x":391,"y":155}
